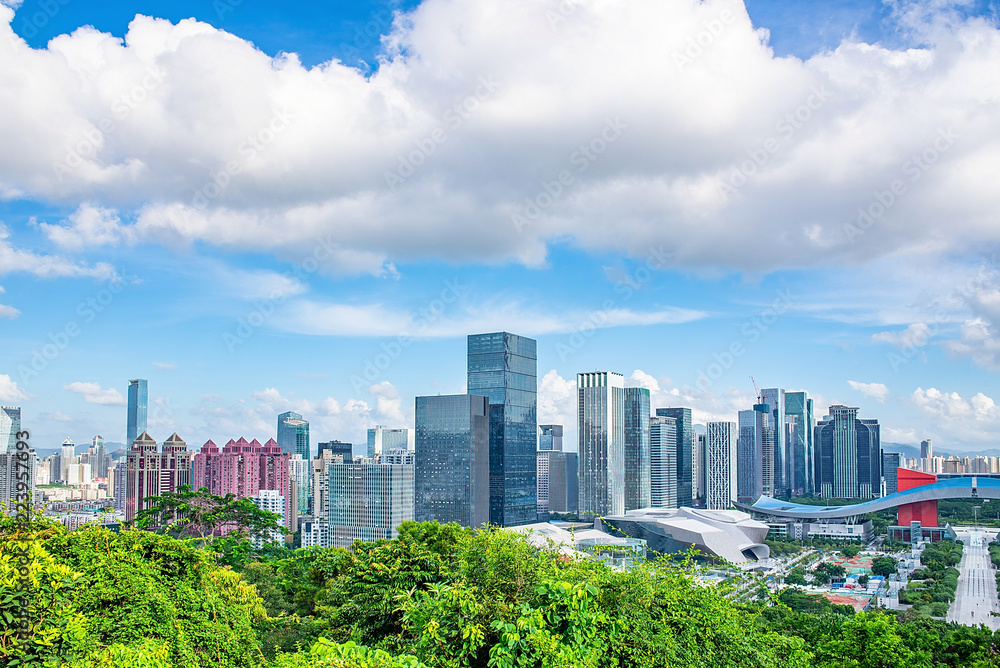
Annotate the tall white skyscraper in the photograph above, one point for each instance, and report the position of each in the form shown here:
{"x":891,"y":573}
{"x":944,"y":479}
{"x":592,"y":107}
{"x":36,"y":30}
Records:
{"x":300,"y":476}
{"x":720,"y":465}
{"x":663,"y":480}
{"x":601,"y":429}
{"x":66,"y":458}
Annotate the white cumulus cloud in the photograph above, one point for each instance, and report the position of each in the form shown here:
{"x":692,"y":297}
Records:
{"x":93,"y":393}
{"x":875,"y":390}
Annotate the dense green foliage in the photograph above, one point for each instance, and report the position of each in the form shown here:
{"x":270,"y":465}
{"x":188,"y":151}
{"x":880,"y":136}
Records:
{"x":960,"y":512}
{"x":932,"y":587}
{"x":439,"y":596}
{"x":884,"y":566}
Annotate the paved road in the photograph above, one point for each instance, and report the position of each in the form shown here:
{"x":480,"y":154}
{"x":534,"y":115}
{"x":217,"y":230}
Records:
{"x":976,"y":595}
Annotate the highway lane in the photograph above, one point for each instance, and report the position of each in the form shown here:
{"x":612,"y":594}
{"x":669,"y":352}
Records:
{"x":976,"y":595}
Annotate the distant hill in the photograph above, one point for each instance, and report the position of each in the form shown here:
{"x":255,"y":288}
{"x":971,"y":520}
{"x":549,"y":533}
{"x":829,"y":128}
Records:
{"x":913,"y":451}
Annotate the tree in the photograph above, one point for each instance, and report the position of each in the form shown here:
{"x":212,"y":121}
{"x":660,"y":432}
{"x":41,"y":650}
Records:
{"x":199,"y":514}
{"x":850,"y":551}
{"x":863,"y":580}
{"x":797,"y":576}
{"x":884,"y":566}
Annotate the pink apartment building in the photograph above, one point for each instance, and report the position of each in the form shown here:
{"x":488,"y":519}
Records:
{"x":243,"y":469}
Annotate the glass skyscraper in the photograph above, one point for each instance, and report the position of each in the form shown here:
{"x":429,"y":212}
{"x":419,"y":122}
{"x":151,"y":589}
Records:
{"x":685,"y":453}
{"x":747,"y":464}
{"x":10,"y":424}
{"x":601,"y":425}
{"x":138,"y":403}
{"x":293,"y":435}
{"x":637,"y":414}
{"x":775,"y":400}
{"x":503,"y":368}
{"x":720,"y":465}
{"x":663,"y":462}
{"x":452,"y":474}
{"x":800,"y":448}
{"x":849,"y":452}
{"x":550,"y":437}
{"x":345,"y":450}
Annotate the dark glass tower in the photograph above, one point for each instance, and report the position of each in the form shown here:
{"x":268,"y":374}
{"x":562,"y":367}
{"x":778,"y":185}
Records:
{"x":503,"y":368}
{"x":685,"y":452}
{"x":452,"y":459}
{"x":637,"y":490}
{"x":138,"y":403}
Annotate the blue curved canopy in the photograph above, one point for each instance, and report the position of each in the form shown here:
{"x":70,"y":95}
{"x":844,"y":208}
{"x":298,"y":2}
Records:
{"x":956,"y":488}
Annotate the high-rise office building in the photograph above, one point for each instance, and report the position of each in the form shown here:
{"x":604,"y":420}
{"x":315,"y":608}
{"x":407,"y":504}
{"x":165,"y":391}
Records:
{"x":764,"y":440}
{"x":783,"y":464}
{"x":803,"y":470}
{"x":564,"y":490}
{"x":891,"y":461}
{"x":700,"y":480}
{"x":720,"y":465}
{"x":542,"y":485}
{"x":119,"y":476}
{"x":293,"y":434}
{"x":345,"y":450}
{"x":396,"y":456}
{"x":601,"y":429}
{"x":550,"y":437}
{"x":10,"y":424}
{"x":637,"y":414}
{"x":452,"y":474}
{"x":926,"y":449}
{"x":869,"y":458}
{"x":369,"y":501}
{"x":300,"y":477}
{"x":382,"y":439}
{"x":99,"y":465}
{"x":685,"y":453}
{"x":503,"y":368}
{"x":747,"y":464}
{"x":663,"y":462}
{"x":848,"y":451}
{"x":138,"y":403}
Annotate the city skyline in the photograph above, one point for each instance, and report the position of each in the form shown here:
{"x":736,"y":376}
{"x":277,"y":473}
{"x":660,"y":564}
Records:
{"x":276,"y":262}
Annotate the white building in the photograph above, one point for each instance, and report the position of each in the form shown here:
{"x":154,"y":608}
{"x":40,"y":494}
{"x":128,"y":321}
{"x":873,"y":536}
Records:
{"x":271,"y":501}
{"x":65,"y":459}
{"x":720,"y":465}
{"x":382,"y":439}
{"x":314,"y":532}
{"x":300,"y":477}
{"x":368,"y":501}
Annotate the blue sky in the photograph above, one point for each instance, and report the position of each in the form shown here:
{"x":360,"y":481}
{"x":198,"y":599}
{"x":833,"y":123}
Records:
{"x":710,"y":233}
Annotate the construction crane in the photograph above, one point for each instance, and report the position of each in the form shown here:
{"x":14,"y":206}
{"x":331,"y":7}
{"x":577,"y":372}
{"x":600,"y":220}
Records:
{"x":757,"y":392}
